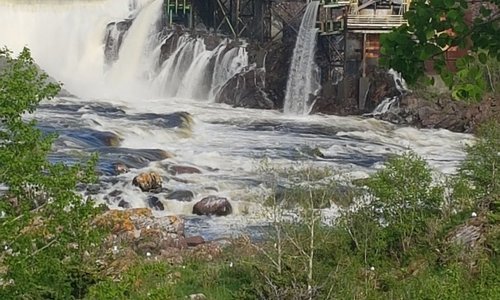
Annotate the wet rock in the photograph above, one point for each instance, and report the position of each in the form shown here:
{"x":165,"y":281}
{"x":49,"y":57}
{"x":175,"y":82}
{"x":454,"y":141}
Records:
{"x":159,"y":190}
{"x":194,"y":241}
{"x":93,"y":189}
{"x":124,"y":204}
{"x":443,"y":113}
{"x":246,"y":89}
{"x":120,"y":168}
{"x":133,"y":158}
{"x":177,"y":169}
{"x":181,"y":195}
{"x":213,"y":205}
{"x":155,"y":203}
{"x":115,"y":193}
{"x":109,"y":139}
{"x":176,"y":120}
{"x":148,"y":181}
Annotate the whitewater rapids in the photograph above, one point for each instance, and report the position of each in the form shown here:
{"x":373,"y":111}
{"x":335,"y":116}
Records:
{"x":133,"y":97}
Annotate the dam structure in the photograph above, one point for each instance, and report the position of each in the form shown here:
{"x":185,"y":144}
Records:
{"x":348,"y":32}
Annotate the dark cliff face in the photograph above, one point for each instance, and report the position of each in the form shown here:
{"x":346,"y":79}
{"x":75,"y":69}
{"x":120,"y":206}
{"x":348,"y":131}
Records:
{"x":115,"y":33}
{"x":246,"y":89}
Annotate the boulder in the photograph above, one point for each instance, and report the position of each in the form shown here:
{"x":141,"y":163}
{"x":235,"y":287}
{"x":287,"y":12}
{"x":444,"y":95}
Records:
{"x":155,"y":203}
{"x":124,"y":204}
{"x":213,"y":205}
{"x":148,"y":181}
{"x":194,"y":241}
{"x":120,"y":168}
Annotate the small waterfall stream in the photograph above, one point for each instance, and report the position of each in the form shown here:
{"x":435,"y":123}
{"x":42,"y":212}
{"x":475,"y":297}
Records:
{"x":301,"y":79}
{"x":388,"y":103}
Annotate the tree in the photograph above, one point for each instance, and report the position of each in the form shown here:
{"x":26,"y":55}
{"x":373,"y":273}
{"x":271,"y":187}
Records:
{"x":434,"y":28}
{"x":45,"y":226}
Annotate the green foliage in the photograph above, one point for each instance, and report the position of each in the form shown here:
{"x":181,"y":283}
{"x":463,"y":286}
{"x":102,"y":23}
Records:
{"x":405,"y":199}
{"x":482,"y":165}
{"x":45,"y":229}
{"x":158,"y":280}
{"x":434,"y":28}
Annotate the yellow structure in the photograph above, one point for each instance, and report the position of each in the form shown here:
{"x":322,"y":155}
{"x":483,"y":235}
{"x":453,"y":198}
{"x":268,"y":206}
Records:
{"x":367,"y":17}
{"x":362,"y":16}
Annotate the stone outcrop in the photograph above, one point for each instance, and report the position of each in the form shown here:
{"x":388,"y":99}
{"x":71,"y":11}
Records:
{"x":213,"y":205}
{"x":246,"y":89}
{"x":138,"y":233}
{"x":144,"y":232}
{"x":148,"y":181}
{"x":443,"y":113}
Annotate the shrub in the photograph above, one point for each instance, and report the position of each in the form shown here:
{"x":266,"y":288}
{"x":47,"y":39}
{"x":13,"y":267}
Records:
{"x":45,"y":230}
{"x":405,"y":199}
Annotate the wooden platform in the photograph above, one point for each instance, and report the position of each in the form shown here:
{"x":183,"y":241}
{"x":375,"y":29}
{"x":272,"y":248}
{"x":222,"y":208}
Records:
{"x":370,"y":23}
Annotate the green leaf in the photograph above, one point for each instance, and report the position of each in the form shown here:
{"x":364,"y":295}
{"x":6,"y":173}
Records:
{"x":483,"y":58}
{"x":449,"y":3}
{"x":485,"y":12}
{"x":453,"y":15}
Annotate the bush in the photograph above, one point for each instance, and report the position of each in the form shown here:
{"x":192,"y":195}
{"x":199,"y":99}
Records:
{"x":405,"y":199}
{"x":45,"y":229}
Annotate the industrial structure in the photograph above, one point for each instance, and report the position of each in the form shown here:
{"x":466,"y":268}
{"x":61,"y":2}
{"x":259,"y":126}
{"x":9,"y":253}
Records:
{"x":349,"y":30}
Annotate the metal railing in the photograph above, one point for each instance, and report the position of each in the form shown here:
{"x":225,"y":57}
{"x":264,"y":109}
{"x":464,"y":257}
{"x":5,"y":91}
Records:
{"x":367,"y":21}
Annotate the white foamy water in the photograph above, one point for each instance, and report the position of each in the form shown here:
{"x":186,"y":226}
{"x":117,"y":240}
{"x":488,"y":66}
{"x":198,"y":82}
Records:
{"x":134,"y":96}
{"x":301,"y":78}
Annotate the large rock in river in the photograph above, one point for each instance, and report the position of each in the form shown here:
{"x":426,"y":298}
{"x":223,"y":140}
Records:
{"x":148,"y":181}
{"x":213,"y":205}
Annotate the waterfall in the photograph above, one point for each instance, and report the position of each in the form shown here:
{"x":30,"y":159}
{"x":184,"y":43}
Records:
{"x":139,"y":43}
{"x":302,"y":81}
{"x":388,"y":103}
{"x":385,"y":106}
{"x":192,"y":71}
{"x":112,"y":49}
{"x":227,"y":65}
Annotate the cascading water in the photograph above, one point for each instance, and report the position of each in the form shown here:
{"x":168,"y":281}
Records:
{"x":122,"y":109}
{"x":388,"y":103}
{"x":114,"y":46}
{"x":301,"y":79}
{"x":192,"y":71}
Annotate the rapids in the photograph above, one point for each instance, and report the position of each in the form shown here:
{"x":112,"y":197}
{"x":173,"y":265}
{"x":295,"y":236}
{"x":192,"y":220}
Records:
{"x":128,"y":111}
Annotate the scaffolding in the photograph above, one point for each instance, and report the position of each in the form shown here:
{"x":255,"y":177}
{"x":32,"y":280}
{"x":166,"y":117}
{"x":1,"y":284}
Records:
{"x":237,"y":16}
{"x":376,"y":15}
{"x":178,"y":12}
